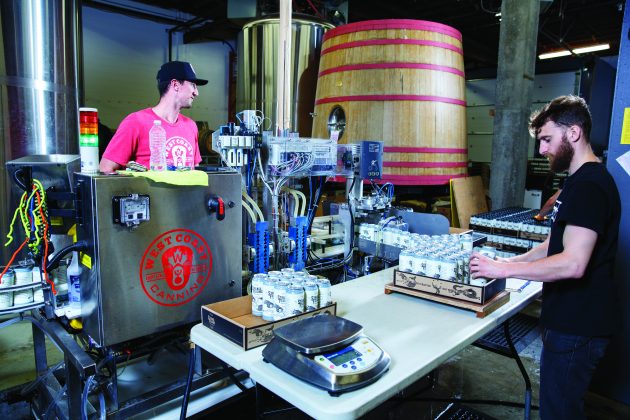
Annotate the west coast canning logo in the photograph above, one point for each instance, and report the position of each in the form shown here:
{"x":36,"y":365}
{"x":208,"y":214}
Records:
{"x":179,"y":152}
{"x":175,"y":267}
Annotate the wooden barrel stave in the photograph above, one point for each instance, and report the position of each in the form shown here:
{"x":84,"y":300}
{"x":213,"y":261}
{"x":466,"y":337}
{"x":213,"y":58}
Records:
{"x":404,"y":86}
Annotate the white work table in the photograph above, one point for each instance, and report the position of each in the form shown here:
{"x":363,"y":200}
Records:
{"x":419,"y":335}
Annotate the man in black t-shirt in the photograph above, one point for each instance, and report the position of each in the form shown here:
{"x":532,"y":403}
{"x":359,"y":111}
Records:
{"x":576,"y":261}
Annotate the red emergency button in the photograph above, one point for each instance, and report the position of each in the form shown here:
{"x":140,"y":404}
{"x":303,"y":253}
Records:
{"x":217,"y":205}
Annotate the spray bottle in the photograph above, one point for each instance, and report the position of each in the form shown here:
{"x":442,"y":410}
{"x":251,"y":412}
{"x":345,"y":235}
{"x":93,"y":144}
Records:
{"x":74,"y":283}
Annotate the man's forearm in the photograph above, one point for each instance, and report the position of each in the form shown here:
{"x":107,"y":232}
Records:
{"x":107,"y":166}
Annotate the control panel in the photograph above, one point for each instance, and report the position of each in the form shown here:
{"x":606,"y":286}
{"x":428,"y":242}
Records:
{"x":361,"y":355}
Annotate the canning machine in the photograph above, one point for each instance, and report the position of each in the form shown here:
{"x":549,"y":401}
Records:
{"x":153,"y":249}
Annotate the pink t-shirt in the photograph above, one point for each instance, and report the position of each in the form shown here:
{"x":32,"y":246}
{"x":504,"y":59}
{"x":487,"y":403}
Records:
{"x":131,"y":141}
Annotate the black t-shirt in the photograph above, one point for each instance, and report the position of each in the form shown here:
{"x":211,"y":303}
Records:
{"x":587,"y":306}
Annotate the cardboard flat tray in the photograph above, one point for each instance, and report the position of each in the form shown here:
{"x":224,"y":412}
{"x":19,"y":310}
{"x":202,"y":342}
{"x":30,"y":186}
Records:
{"x":447,"y":288}
{"x":233,"y":319}
{"x":481,"y":310}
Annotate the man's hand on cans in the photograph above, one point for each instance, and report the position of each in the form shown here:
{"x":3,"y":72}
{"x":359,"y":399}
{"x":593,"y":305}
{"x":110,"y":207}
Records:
{"x":482,"y":266}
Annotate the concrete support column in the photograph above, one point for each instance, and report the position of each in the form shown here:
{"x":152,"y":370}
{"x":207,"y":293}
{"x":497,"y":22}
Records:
{"x":515,"y":78}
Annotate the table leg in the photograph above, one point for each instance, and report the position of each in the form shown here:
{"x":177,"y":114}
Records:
{"x":258,"y":396}
{"x":519,"y":362}
{"x":234,"y":379}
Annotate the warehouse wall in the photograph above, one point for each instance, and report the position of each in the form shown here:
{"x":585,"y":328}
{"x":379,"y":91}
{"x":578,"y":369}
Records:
{"x":480,"y":96}
{"x":122,"y":55}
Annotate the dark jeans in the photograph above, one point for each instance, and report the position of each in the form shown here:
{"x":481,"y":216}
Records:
{"x":567,"y":364}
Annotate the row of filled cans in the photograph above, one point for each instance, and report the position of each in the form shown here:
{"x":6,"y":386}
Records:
{"x":17,"y":276}
{"x":445,"y":266}
{"x":509,"y":240}
{"x":404,"y":239}
{"x":275,"y":297}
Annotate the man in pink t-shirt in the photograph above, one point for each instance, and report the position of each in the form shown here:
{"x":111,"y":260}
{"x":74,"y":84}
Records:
{"x":177,"y":85}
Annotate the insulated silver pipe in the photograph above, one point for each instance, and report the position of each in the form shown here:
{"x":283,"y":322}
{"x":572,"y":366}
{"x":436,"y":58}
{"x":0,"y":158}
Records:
{"x":38,"y":85}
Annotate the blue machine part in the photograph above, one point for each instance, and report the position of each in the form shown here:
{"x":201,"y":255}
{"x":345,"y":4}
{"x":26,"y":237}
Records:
{"x":371,"y":166}
{"x":259,"y":240}
{"x":299,"y":233}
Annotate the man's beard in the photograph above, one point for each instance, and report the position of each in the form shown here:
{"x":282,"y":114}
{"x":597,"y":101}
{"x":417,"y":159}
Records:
{"x":562,"y":159}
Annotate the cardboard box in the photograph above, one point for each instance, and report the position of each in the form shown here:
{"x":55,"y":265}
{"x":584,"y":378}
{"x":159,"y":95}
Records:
{"x":233,"y":319}
{"x":451,"y":289}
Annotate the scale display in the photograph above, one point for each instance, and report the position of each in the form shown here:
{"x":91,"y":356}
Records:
{"x":340,"y":358}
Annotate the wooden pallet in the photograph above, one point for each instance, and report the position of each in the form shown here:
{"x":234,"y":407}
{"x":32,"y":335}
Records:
{"x":481,"y":310}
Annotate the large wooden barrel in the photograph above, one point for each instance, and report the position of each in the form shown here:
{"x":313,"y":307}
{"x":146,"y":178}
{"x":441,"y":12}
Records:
{"x":400,"y":81}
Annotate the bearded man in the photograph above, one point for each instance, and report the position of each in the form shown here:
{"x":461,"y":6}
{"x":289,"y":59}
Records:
{"x":580,"y":309}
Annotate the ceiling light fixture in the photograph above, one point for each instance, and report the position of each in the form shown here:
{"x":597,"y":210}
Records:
{"x":581,"y":50}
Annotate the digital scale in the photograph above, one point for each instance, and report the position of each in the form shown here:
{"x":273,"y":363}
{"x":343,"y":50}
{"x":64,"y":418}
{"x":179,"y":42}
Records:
{"x":327,"y":351}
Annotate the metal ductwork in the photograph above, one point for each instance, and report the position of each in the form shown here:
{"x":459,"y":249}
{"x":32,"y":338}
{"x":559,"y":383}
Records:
{"x":38,"y":84}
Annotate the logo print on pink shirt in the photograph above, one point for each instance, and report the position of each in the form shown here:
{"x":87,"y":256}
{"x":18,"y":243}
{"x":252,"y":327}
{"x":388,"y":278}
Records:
{"x":179,"y":152}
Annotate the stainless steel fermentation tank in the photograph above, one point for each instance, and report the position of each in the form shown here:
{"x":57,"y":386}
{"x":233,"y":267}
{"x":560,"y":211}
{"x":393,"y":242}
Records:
{"x":258,"y":66}
{"x":38,"y":84}
{"x":156,"y":276}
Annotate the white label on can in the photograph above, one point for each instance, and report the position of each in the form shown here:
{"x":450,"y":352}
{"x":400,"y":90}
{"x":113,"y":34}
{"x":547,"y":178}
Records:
{"x":295,"y":303}
{"x":257,"y":297}
{"x":269,"y":306}
{"x":433,"y":268}
{"x":312,"y":298}
{"x":325,"y":295}
{"x":448,"y":270}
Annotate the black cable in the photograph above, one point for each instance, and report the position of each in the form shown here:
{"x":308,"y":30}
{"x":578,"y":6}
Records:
{"x":313,"y":209}
{"x":191,"y":368}
{"x":77,"y":246}
{"x":340,"y":263}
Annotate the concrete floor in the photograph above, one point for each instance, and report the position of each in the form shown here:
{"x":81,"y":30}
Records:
{"x":473,"y":374}
{"x":17,"y":362}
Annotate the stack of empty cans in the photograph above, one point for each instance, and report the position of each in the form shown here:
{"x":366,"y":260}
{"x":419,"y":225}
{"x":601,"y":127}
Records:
{"x":513,"y":230}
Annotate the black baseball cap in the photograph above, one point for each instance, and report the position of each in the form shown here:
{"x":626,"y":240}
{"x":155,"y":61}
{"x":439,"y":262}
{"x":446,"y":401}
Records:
{"x":179,"y":70}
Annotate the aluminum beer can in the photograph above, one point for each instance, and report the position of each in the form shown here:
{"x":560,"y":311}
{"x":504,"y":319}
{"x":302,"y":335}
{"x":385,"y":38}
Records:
{"x":6,"y":298}
{"x":38,"y":294}
{"x":23,"y":275}
{"x":311,"y":295}
{"x":433,"y":267}
{"x":269,"y":306}
{"x":406,"y":261}
{"x":312,"y":277}
{"x":280,"y":298}
{"x":8,"y":279}
{"x":23,"y":297}
{"x":287,"y":270}
{"x":36,"y":274}
{"x":325,"y":292}
{"x":448,"y":269}
{"x":295,"y":300}
{"x":257,"y":294}
{"x":488,"y":252}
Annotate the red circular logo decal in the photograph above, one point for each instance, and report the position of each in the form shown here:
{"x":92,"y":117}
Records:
{"x":175,"y":267}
